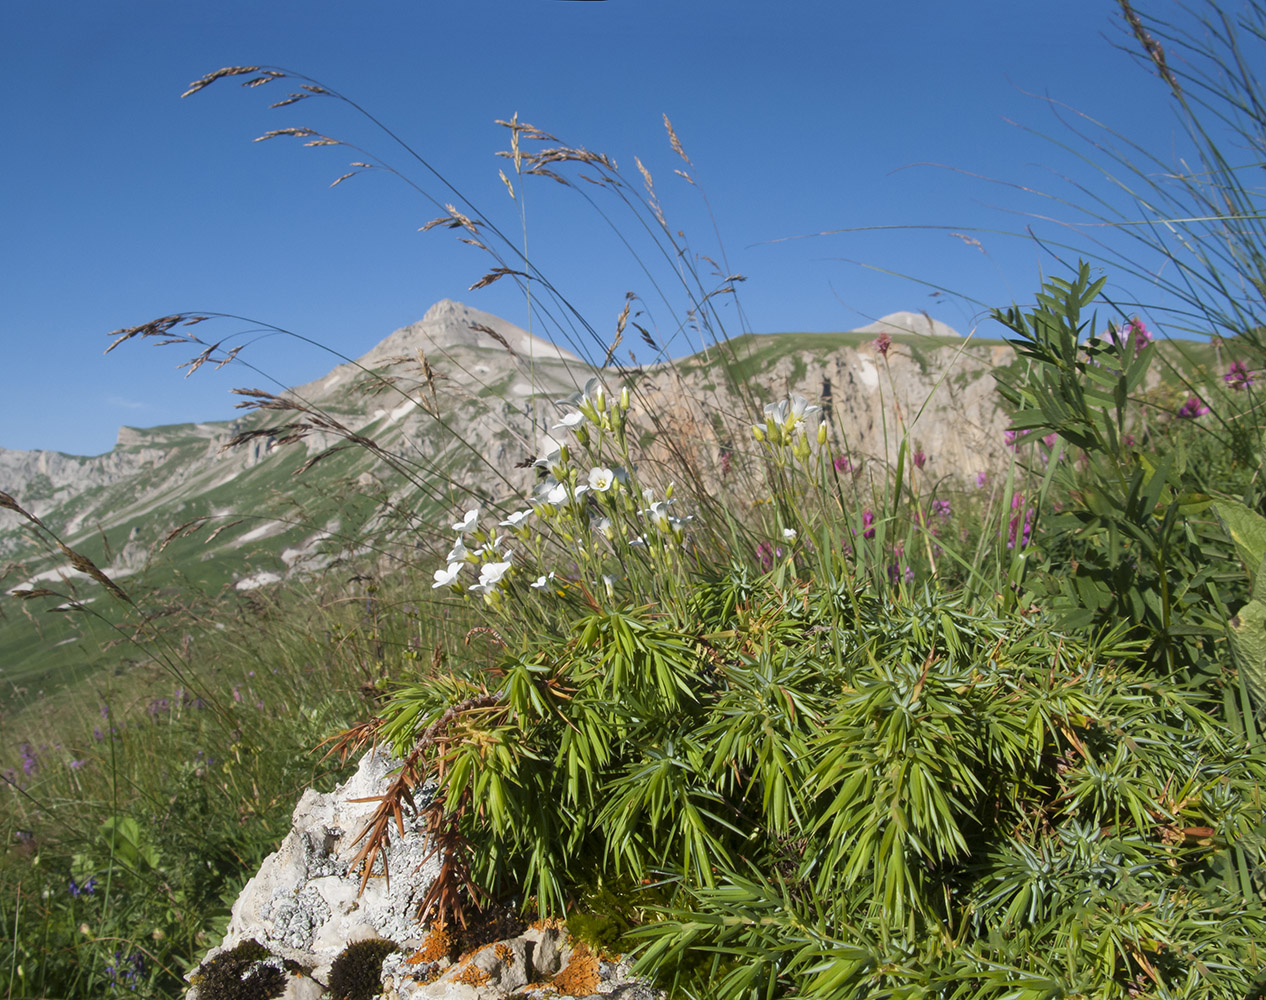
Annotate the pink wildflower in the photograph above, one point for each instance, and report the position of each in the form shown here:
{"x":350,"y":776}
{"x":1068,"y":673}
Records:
{"x":1192,"y":408}
{"x":1239,"y":376}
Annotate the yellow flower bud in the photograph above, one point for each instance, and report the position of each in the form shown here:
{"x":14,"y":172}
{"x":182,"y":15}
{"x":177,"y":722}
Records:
{"x":821,"y":433}
{"x":758,"y":433}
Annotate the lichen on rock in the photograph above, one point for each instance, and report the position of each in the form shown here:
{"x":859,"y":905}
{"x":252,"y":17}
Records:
{"x":302,"y":929}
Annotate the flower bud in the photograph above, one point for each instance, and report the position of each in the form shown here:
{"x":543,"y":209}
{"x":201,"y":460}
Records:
{"x":564,"y":455}
{"x":758,"y":433}
{"x":821,"y":433}
{"x":624,"y":398}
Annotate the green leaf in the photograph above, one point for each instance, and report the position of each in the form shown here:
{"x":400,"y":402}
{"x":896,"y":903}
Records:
{"x":1248,"y":641}
{"x":1247,"y":529}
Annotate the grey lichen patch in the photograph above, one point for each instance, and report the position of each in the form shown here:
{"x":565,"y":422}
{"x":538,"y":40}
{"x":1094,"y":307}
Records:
{"x":295,"y":916}
{"x":320,"y":852}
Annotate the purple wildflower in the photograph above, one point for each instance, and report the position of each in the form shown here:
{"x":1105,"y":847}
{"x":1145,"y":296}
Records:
{"x":86,"y":889}
{"x":868,"y":518}
{"x":1133,"y":327}
{"x":1192,"y":408}
{"x":842,"y":464}
{"x":882,"y":343}
{"x":897,"y":573}
{"x":919,"y":459}
{"x":1239,"y":376}
{"x":126,"y":969}
{"x":30,"y":764}
{"x":982,"y":480}
{"x":1141,"y":337}
{"x":75,"y":765}
{"x":941,"y":508}
{"x":765,"y":555}
{"x":1014,"y":525}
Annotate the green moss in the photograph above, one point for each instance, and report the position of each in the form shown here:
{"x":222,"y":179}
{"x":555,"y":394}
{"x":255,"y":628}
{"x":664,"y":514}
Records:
{"x":241,"y":974}
{"x":357,"y":973}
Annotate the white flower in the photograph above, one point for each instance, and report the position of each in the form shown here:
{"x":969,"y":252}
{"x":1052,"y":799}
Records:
{"x":591,"y":393}
{"x":789,"y":412}
{"x":446,"y":577}
{"x":492,"y":547}
{"x":602,"y":525}
{"x":458,"y":552}
{"x":638,"y":542}
{"x":569,"y":422}
{"x":541,"y":582}
{"x":658,"y":512}
{"x":490,"y":575}
{"x":467,"y":523}
{"x":557,"y":494}
{"x":601,"y":479}
{"x":516,"y":519}
{"x":609,"y":583}
{"x":789,"y":534}
{"x":551,"y":454}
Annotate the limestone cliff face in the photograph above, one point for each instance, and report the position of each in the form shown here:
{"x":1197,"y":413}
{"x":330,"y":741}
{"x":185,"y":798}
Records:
{"x":940,"y":397}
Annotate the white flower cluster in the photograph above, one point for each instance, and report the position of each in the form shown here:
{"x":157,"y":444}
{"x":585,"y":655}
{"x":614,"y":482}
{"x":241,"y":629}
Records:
{"x":786,"y":425}
{"x":596,"y":514}
{"x":492,"y":561}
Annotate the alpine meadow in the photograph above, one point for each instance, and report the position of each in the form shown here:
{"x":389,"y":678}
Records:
{"x":880,"y":664}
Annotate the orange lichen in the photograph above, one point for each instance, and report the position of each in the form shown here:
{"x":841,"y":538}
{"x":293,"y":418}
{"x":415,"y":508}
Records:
{"x":471,"y":975}
{"x":579,"y":977}
{"x":437,"y":944}
{"x":504,"y":953}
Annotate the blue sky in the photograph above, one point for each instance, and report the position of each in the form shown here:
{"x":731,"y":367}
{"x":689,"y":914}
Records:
{"x":123,"y":202}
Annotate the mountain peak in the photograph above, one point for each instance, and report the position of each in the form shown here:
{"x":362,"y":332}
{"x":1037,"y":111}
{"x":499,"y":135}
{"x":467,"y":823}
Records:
{"x":449,"y":324}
